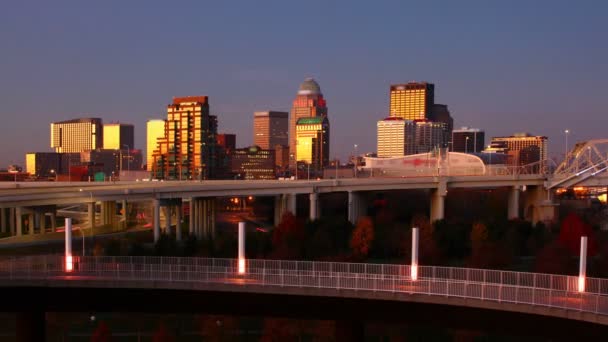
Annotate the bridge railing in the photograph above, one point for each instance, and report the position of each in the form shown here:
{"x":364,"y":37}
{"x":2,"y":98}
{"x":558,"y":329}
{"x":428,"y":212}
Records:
{"x":502,"y":286}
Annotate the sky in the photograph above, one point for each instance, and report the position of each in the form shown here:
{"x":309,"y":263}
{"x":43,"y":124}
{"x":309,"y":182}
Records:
{"x":502,"y":66}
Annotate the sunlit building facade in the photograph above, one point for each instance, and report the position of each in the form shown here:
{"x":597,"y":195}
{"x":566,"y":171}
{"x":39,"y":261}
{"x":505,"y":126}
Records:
{"x":270,"y":129}
{"x":312,"y":135}
{"x":523,"y":147}
{"x":253,"y":163}
{"x":412,"y":101}
{"x":187,"y":149}
{"x":396,"y":137}
{"x":309,"y":103}
{"x":155,"y":129}
{"x":77,"y":135}
{"x":118,"y":136}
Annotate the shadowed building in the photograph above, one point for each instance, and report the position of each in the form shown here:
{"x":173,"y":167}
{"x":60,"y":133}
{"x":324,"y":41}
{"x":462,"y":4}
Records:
{"x":309,"y":102}
{"x":270,"y":129}
{"x":77,"y":135}
{"x":468,"y":140}
{"x":253,"y":163}
{"x":187,"y":149}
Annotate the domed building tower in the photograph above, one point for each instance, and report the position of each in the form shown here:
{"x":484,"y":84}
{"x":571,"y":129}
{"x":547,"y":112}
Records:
{"x":309,"y":102}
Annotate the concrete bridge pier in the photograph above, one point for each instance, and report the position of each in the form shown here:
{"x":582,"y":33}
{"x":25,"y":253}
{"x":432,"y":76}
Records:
{"x":19,"y":221}
{"x":539,"y":205}
{"x":3,"y":219}
{"x":513,"y":203}
{"x":156,"y":220}
{"x":108,"y":213}
{"x":438,"y":202}
{"x":282,"y":204}
{"x":356,"y":206}
{"x":124,"y":213}
{"x":178,"y":222}
{"x":314,"y":206}
{"x":202,"y":217}
{"x":91,"y":215}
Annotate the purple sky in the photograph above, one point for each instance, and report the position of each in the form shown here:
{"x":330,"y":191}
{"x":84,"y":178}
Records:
{"x":535,"y":66}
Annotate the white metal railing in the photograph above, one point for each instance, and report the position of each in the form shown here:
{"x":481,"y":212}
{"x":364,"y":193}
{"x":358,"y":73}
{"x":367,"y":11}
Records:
{"x":549,"y":290}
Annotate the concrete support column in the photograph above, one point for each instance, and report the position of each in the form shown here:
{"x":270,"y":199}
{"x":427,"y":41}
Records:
{"x":538,"y":205}
{"x":13,"y":221}
{"x":18,"y":221}
{"x":513,"y":213}
{"x":291,"y":203}
{"x":438,"y":201}
{"x":168,"y":219}
{"x":125,"y":214}
{"x":278,"y":209}
{"x":3,"y":220}
{"x":314,"y":206}
{"x":108,"y":212}
{"x":53,"y":222}
{"x":156,"y":224}
{"x":30,"y":223}
{"x":212,"y":217}
{"x":205,"y":217}
{"x":191,"y":217}
{"x":355,"y":204}
{"x":91,"y":212}
{"x":178,"y":222}
{"x":42,"y":223}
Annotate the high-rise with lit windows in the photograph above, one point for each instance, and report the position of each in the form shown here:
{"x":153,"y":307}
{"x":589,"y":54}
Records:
{"x":77,"y":135}
{"x":270,"y":129}
{"x":396,"y":137}
{"x":309,"y":103}
{"x":412,"y":101}
{"x":523,"y":148}
{"x":118,"y":136}
{"x":312,"y":135}
{"x":154,"y":129}
{"x":187,"y":148}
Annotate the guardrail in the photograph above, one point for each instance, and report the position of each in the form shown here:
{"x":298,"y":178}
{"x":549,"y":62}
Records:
{"x":548,"y":290}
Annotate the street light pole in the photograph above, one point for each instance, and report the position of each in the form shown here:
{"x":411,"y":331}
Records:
{"x":466,"y":145}
{"x":356,"y":161}
{"x":567,"y":132}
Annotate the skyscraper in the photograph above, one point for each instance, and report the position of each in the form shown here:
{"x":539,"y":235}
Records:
{"x":468,"y":140}
{"x":309,"y":102}
{"x":77,"y":135}
{"x":429,"y":136}
{"x":523,"y":148}
{"x":312,"y":135}
{"x":118,"y":136}
{"x":253,"y":163}
{"x":187,"y":149}
{"x":412,"y":101}
{"x":270,"y":129}
{"x":154,"y":129}
{"x":396,"y":137}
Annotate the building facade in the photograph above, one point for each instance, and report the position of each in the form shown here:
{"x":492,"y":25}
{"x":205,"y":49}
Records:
{"x":429,"y":136}
{"x":309,"y":103}
{"x":312,"y":135}
{"x":187,"y":148}
{"x":270,"y":129}
{"x":155,"y":129}
{"x":523,"y":148}
{"x":468,"y":140}
{"x":112,"y":161}
{"x":253,"y":163}
{"x":77,"y":135}
{"x":118,"y":136}
{"x":396,"y":137}
{"x":412,"y":101}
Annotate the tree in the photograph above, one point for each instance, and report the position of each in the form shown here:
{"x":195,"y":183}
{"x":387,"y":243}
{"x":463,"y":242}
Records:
{"x":572,"y":229}
{"x":428,"y":251}
{"x":554,"y":258}
{"x":162,"y":334}
{"x":479,"y":236}
{"x":288,"y":238}
{"x":362,"y":238}
{"x":101,"y":333}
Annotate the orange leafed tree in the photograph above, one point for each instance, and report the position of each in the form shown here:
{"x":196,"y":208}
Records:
{"x":288,"y":238}
{"x":428,"y":250}
{"x":101,"y":333}
{"x":570,"y":234}
{"x":363,"y":237}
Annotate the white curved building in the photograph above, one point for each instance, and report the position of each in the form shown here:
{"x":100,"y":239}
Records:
{"x":426,"y":164}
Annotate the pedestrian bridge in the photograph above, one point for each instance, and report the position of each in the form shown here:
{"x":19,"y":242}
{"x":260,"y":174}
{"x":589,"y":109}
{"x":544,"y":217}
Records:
{"x":553,"y":296}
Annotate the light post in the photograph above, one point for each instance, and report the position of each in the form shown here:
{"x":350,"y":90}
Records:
{"x":466,"y":145}
{"x":53,"y":174}
{"x":337,"y":162}
{"x":356,"y":161}
{"x":308,"y":164}
{"x":567,"y":132}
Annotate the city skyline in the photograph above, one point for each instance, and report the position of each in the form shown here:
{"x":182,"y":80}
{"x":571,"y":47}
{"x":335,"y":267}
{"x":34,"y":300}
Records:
{"x":504,"y":74}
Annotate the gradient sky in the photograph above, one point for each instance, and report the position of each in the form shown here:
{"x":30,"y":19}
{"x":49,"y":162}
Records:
{"x":508,"y":66}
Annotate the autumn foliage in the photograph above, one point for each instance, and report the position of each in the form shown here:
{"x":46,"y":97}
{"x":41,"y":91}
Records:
{"x":101,"y":333}
{"x":362,"y":238}
{"x":289,"y":238}
{"x":572,"y":229}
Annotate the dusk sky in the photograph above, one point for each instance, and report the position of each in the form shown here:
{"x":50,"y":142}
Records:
{"x":509,"y":66}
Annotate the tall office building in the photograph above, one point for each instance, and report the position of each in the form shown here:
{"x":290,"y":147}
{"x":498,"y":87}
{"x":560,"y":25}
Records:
{"x":154,"y":129}
{"x":396,"y":137}
{"x":412,"y":101}
{"x":429,"y":136}
{"x":312,"y":135}
{"x":187,"y":149}
{"x":440,"y":113}
{"x":118,"y":136}
{"x":309,"y":102}
{"x":270,"y":129}
{"x":523,"y":148}
{"x":468,"y":140}
{"x":253,"y":163}
{"x":77,"y":135}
